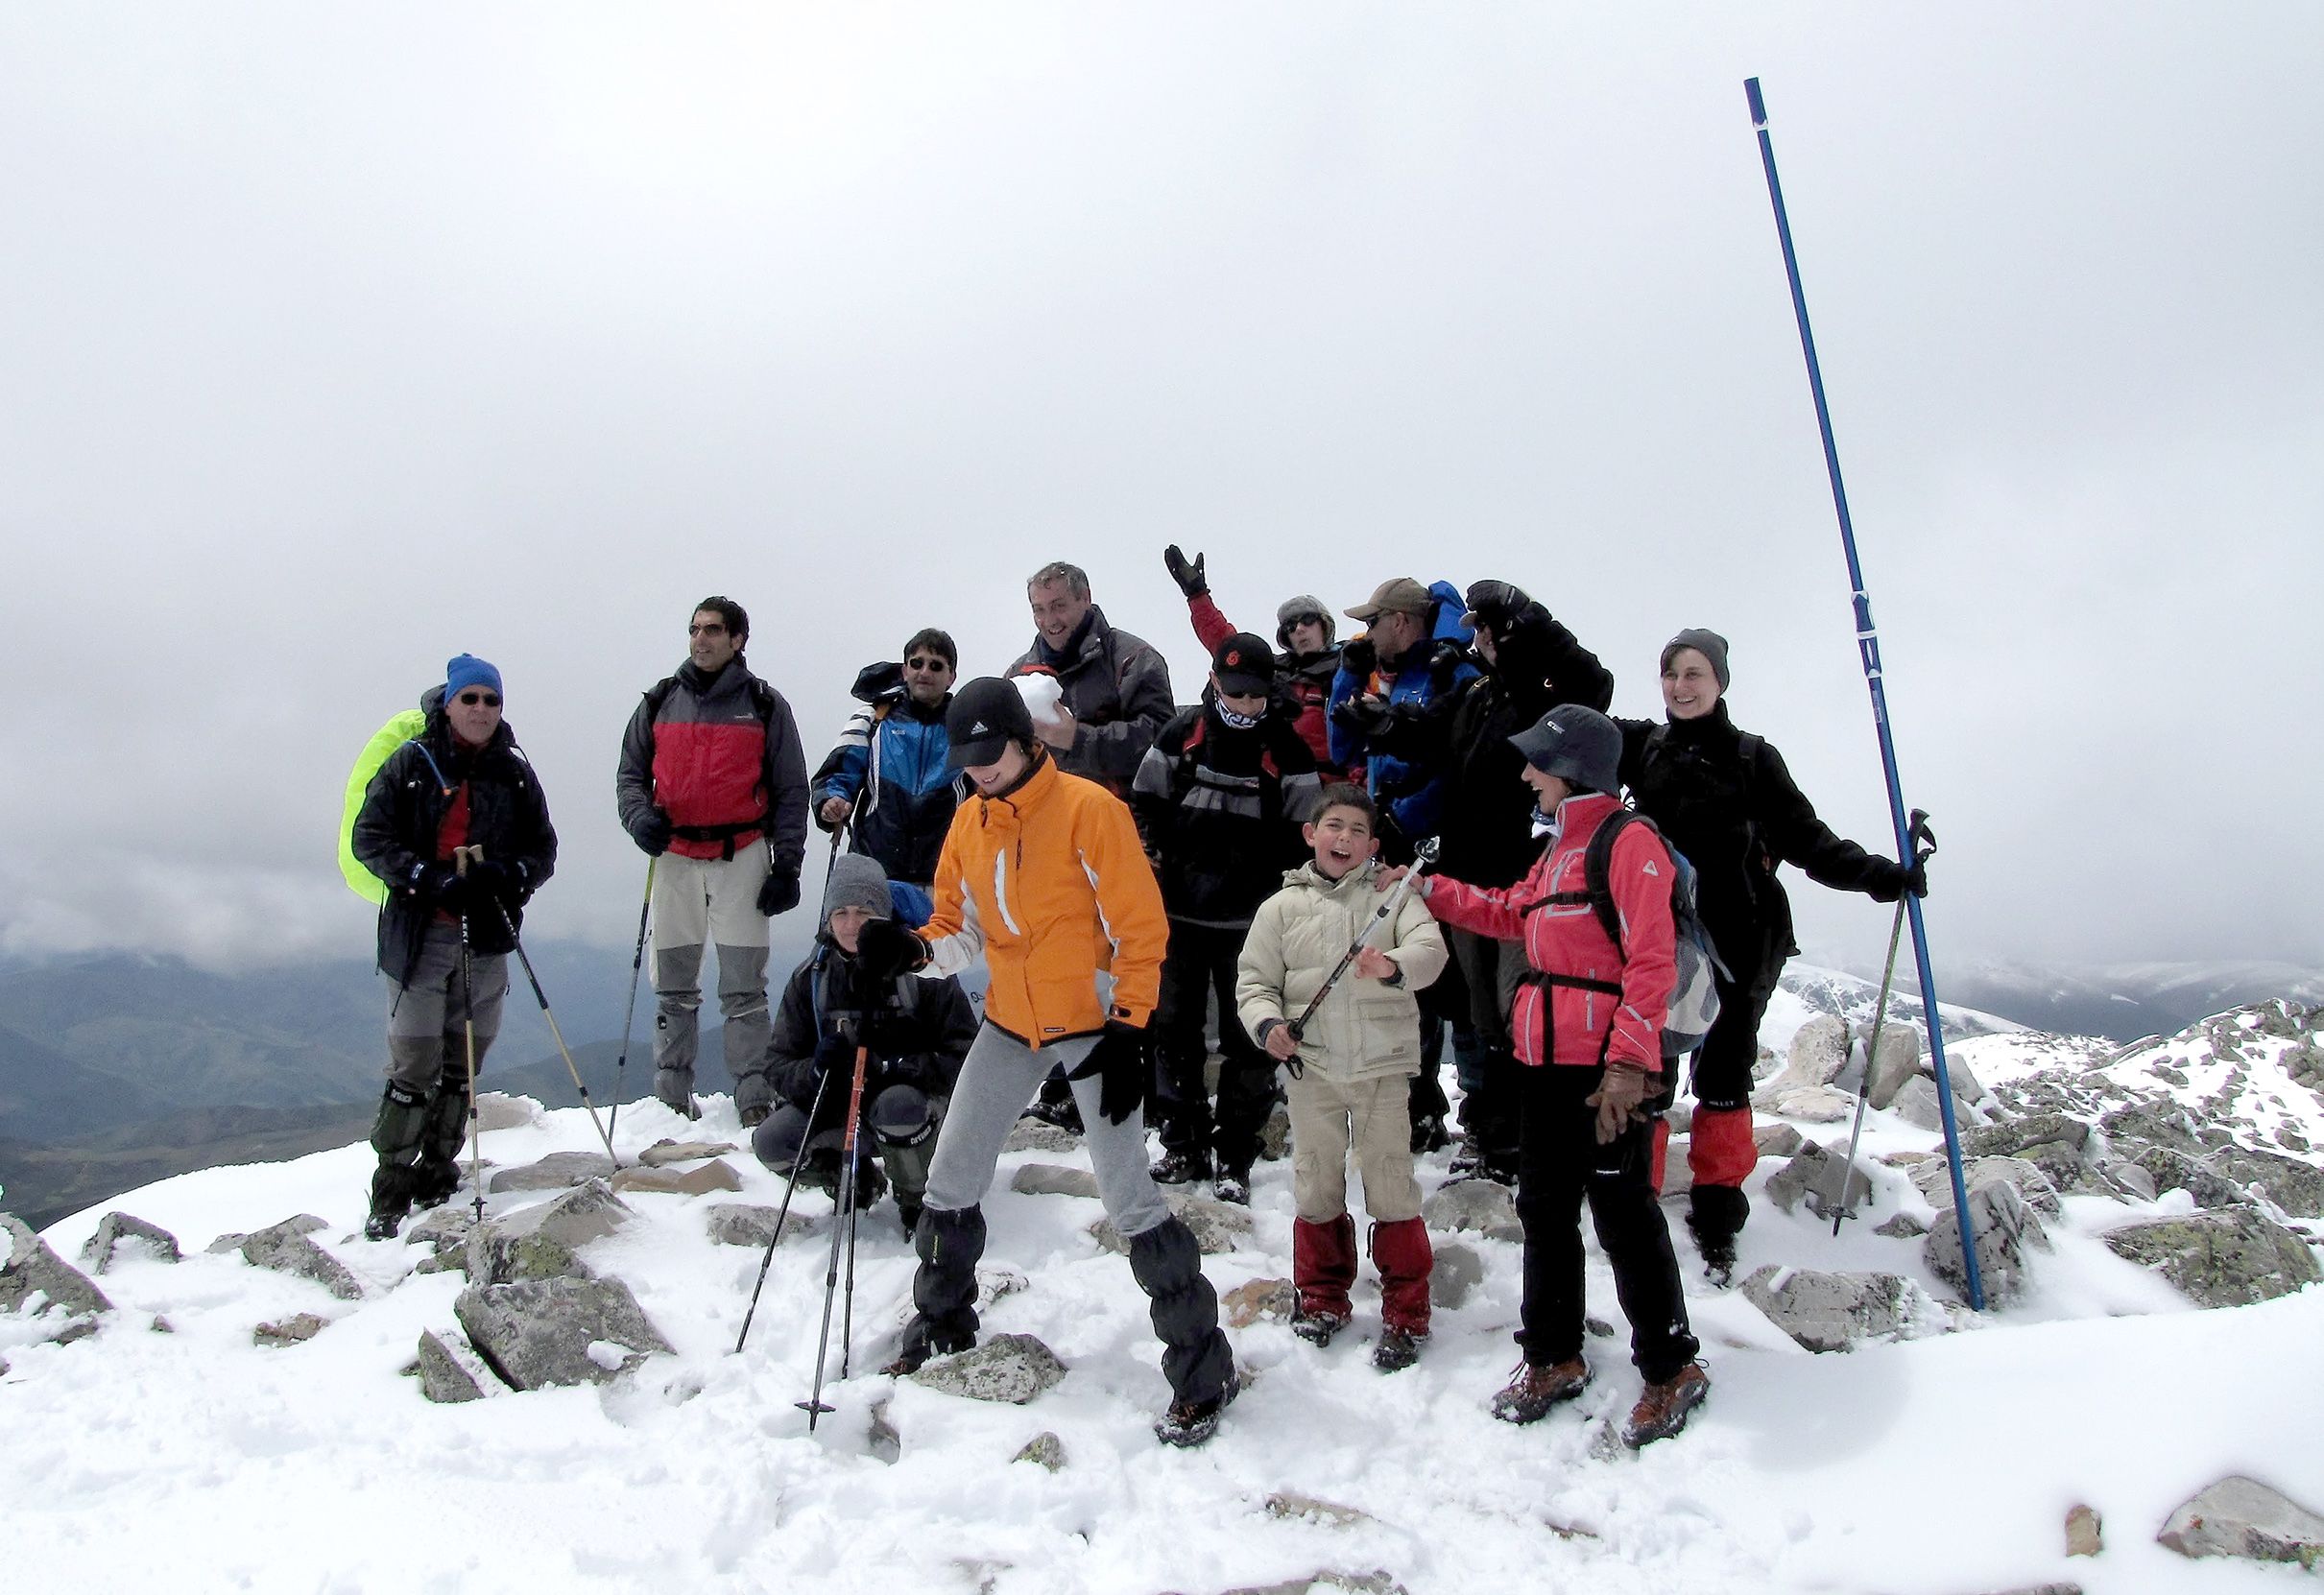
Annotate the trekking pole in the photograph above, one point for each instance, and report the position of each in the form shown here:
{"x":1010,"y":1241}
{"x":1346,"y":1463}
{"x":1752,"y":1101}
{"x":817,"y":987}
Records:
{"x":629,"y":1014}
{"x":1423,"y":856}
{"x":558,"y":1035}
{"x":1868,"y":647}
{"x":798,"y":1163}
{"x":1925,"y":849}
{"x":841,"y":1215}
{"x":467,"y":1025}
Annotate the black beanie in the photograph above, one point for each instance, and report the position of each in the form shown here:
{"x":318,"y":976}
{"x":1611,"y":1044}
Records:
{"x":1709,"y":644}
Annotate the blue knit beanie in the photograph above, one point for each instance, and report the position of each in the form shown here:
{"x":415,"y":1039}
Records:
{"x":466,"y":669}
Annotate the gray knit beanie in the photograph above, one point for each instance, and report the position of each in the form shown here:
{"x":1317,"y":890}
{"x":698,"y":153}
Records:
{"x":857,"y":881}
{"x":1709,"y":644}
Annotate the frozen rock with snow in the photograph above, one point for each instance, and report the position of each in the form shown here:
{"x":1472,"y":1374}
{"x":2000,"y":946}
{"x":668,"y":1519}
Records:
{"x":1272,"y":1300}
{"x":1819,"y":1051}
{"x":1053,"y":1179}
{"x":443,"y":1230}
{"x":1044,"y":1448}
{"x":1934,"y":1180}
{"x":1814,"y":1175}
{"x":1275,"y":1136}
{"x":1901,"y":1226}
{"x":1217,"y":1226}
{"x":1459,"y":1269}
{"x":750,"y":1224}
{"x":545,"y":1241}
{"x":1916,"y":1104}
{"x":300,"y":1223}
{"x":2005,"y":1228}
{"x":556,"y":1172}
{"x":2243,"y":1518}
{"x":2085,"y":1531}
{"x":1480,"y":1207}
{"x":34,"y":1277}
{"x":665,"y":1152}
{"x":1294,"y":1504}
{"x":285,"y":1248}
{"x":1896,"y":1063}
{"x":1040,"y":1136}
{"x":449,"y":1375}
{"x":1777,"y":1140}
{"x":501,"y":1110}
{"x":288,"y":1331}
{"x":2226,"y":1257}
{"x":539,"y":1332}
{"x":1831,"y":1312}
{"x":118,"y":1230}
{"x":717,"y":1174}
{"x":2061,"y":1146}
{"x":1812,"y":1104}
{"x":1010,"y":1368}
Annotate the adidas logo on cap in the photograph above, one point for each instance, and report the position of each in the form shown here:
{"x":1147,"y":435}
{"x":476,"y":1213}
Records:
{"x":980,"y":730}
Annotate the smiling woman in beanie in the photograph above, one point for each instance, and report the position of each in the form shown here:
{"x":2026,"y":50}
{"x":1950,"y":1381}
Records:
{"x":1723,"y":798}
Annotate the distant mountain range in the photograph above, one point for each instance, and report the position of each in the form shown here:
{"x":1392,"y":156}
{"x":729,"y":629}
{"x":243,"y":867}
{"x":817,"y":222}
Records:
{"x":117,"y":1070}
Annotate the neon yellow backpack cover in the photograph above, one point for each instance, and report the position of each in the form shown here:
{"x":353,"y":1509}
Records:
{"x":385,"y":741}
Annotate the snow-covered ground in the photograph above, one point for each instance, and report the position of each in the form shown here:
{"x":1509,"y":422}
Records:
{"x":1945,"y":1465}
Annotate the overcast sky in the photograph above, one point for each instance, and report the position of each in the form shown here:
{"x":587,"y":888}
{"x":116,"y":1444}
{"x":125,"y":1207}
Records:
{"x":339,"y":340}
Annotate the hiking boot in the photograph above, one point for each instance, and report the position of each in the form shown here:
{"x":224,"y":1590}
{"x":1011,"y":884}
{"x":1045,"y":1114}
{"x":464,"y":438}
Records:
{"x":1317,"y":1327}
{"x":1191,"y":1422}
{"x":383,"y":1223}
{"x":1066,"y":1115}
{"x":1718,"y":1254}
{"x":870,"y":1184}
{"x":1528,"y":1396}
{"x":913,"y":1358}
{"x":753,"y":1116}
{"x":1428,"y":1135}
{"x":1499,"y":1167}
{"x":1398,"y":1349}
{"x":1661,"y":1408}
{"x":1233,"y":1186}
{"x":1180,"y":1168}
{"x":1467,"y":1155}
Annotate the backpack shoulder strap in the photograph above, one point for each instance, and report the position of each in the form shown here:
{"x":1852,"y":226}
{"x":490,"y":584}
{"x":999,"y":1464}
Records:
{"x":1598,"y":870}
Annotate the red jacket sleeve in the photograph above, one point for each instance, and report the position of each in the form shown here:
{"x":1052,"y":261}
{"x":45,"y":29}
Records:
{"x":1640,"y":877}
{"x":1211,"y":628}
{"x":1486,"y":911}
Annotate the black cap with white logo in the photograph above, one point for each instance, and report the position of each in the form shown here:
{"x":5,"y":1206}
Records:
{"x":985,"y":716}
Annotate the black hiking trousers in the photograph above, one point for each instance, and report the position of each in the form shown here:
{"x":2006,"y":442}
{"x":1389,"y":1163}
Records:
{"x":1560,"y":1163}
{"x":1202,"y":961}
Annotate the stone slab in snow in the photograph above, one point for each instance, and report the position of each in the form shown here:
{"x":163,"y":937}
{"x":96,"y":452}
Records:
{"x":1273,"y":1300}
{"x":1011,"y":1369}
{"x":1934,"y":1179}
{"x":286,"y":1249}
{"x":33,"y":1275}
{"x":1902,"y":1227}
{"x":2005,"y":1229}
{"x":288,"y":1331}
{"x":2243,"y":1518}
{"x":2085,"y":1531}
{"x":502,"y":1110}
{"x":1814,"y":1175}
{"x":1291,"y":1503}
{"x":2227,"y":1257}
{"x":1040,"y":1136}
{"x":1480,"y":1207}
{"x":541,"y":1332}
{"x":2060,"y":1144}
{"x":117,"y":1231}
{"x":1216,"y":1224}
{"x":450,"y":1374}
{"x":717,"y":1174}
{"x":303,"y":1223}
{"x":1897,"y":1062}
{"x":1053,"y":1179}
{"x":1916,"y":1104}
{"x":1814,"y":1104}
{"x":1275,"y":1136}
{"x":443,"y":1230}
{"x":665,"y":1152}
{"x":1777,"y":1140}
{"x":545,"y":1241}
{"x":1456,"y":1275}
{"x":554,"y":1173}
{"x":751,"y":1224}
{"x":1819,"y":1051}
{"x":1833,"y":1312}
{"x":1045,"y":1448}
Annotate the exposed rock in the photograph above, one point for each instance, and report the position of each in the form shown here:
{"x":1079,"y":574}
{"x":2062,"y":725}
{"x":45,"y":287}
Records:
{"x":500,"y":1110}
{"x":1458,"y":1271}
{"x":2230,"y":1257}
{"x":717,"y":1174}
{"x":1599,"y":1327}
{"x":2244,"y":1517}
{"x":1680,"y":1117}
{"x":2294,"y":1186}
{"x":1040,"y":1136}
{"x":2130,"y":1180}
{"x":1934,"y":1179}
{"x":1053,"y":1179}
{"x":748,"y":1224}
{"x":2159,"y":1121}
{"x":116,"y":1230}
{"x":1905,"y":1159}
{"x":1480,"y":1207}
{"x":883,"y":1440}
{"x":1275,"y":1136}
{"x":538,"y":1332}
{"x":288,"y":1331}
{"x":1916,"y":1104}
{"x":665,"y":1152}
{"x":1011,"y":1369}
{"x":1271,"y":1299}
{"x":1897,"y":1062}
{"x":1045,"y":1448}
{"x":448,"y":1376}
{"x":1819,"y":1051}
{"x":2085,"y":1532}
{"x":30,"y":1269}
{"x":1678,"y":1174}
{"x":1902,"y":1226}
{"x":1378,"y":1581}
{"x":1814,"y":1175}
{"x":1777,"y":1140}
{"x":285,"y":1249}
{"x":1814,"y":1104}
{"x":1831,"y":1312}
{"x":994,"y":1283}
{"x":1216,"y":1224}
{"x":554,"y":1173}
{"x":2060,"y":1145}
{"x":443,"y":1231}
{"x":545,"y":1241}
{"x":1965,"y":1084}
{"x":2004,"y":1227}
{"x":303,"y":1223}
{"x":2169,"y":1169}
{"x":1290,"y":1503}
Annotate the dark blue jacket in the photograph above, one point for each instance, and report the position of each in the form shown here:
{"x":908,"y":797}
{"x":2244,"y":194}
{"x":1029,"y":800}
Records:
{"x":1406,"y":759}
{"x":890,"y":763}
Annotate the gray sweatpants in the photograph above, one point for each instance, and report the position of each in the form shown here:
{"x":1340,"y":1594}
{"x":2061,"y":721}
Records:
{"x":700,"y":903}
{"x":427,"y":1033}
{"x":995,"y":1083}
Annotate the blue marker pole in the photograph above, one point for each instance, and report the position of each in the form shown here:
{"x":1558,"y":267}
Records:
{"x":1868,"y":645}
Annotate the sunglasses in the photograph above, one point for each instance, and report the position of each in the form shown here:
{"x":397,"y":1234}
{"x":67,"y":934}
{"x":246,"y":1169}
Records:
{"x":713,"y":630}
{"x":1310,"y":618}
{"x":929,"y":664}
{"x":489,"y":700}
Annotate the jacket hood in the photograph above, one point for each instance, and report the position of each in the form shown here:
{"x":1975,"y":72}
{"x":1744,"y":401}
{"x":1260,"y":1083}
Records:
{"x":876,"y":682}
{"x":1310,"y":876}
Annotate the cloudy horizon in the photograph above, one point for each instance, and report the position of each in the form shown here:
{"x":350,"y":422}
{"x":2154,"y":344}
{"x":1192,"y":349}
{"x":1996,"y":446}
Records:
{"x":342,"y":342}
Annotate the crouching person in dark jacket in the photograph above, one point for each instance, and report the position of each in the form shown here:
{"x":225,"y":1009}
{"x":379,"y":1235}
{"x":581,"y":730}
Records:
{"x":455,"y":824}
{"x":915,"y":1031}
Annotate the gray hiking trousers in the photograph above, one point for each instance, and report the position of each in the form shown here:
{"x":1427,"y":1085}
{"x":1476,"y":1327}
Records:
{"x":700,"y":903}
{"x":427,"y":1031}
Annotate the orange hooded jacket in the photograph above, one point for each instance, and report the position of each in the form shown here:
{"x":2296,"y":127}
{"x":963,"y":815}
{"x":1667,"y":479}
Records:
{"x":1051,"y":885}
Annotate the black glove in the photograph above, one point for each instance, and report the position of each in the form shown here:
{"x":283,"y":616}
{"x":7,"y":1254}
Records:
{"x":1891,"y":880}
{"x":1358,"y":657}
{"x":491,"y":883}
{"x":1916,"y":878}
{"x":778,"y":893}
{"x":1360,"y":716}
{"x":439,"y":884}
{"x":1496,"y":604}
{"x":835,"y":1052}
{"x":1187,"y":574}
{"x":652,"y":833}
{"x":1118,"y":1060}
{"x":885,"y":950}
{"x":1397,"y":732}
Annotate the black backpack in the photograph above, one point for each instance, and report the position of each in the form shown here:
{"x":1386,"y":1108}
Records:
{"x":1694,"y":998}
